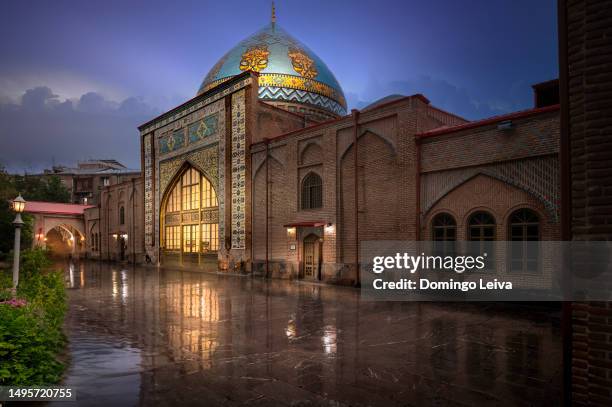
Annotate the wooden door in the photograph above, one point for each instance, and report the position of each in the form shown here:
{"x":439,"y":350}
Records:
{"x":311,"y":257}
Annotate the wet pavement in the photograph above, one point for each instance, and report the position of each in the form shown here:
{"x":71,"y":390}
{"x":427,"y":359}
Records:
{"x":149,"y":337}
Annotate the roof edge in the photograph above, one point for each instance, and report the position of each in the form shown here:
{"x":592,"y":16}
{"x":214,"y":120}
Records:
{"x":491,"y":120}
{"x":197,"y":98}
{"x":338,"y":119}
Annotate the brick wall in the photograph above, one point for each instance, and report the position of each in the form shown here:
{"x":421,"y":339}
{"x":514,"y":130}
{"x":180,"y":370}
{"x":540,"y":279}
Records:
{"x":387,"y":186}
{"x":388,"y":178}
{"x":273,"y":121}
{"x":530,"y":137}
{"x":128,"y":195}
{"x":496,"y":197}
{"x":585,"y":30}
{"x":92,"y":232}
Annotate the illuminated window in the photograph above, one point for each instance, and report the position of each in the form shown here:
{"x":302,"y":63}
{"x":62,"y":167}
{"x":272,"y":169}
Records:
{"x":174,"y":201}
{"x":191,"y":208}
{"x":190,"y":238}
{"x":210,"y":237}
{"x":173,"y":238}
{"x":312,"y":191}
{"x":191,"y":190}
{"x":209,"y":196}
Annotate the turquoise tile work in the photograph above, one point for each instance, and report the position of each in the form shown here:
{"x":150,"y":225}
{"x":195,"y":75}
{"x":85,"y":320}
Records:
{"x":173,"y":141}
{"x":287,"y":70}
{"x":203,"y":128}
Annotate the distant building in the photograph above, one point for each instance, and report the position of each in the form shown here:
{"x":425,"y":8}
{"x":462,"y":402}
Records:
{"x":89,"y":177}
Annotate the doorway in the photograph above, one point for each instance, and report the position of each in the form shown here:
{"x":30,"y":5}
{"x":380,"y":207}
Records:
{"x":312,"y":257}
{"x":122,"y":248}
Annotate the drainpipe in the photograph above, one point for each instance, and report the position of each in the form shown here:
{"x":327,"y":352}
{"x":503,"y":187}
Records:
{"x":567,"y":330}
{"x":355,"y":114}
{"x":108,"y":237}
{"x":267,"y":140}
{"x":132,"y":223}
{"x":417,"y":141}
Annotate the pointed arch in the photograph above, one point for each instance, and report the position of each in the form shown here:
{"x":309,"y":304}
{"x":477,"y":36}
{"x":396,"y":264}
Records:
{"x":549,"y":206}
{"x":263,"y":162}
{"x":311,"y":149}
{"x":388,"y":142}
{"x":311,"y":191}
{"x":189,"y":213}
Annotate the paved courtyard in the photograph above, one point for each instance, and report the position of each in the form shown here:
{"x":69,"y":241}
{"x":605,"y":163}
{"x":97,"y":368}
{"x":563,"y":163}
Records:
{"x":143,"y":336}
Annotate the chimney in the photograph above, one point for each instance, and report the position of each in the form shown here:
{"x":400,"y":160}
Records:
{"x":546,"y":93}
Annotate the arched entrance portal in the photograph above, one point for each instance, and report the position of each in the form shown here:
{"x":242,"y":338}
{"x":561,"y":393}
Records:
{"x":312,"y":257}
{"x":64,"y":241}
{"x":190,"y":221}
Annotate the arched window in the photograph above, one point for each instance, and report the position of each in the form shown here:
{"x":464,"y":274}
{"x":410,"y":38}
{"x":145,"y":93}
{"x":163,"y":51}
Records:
{"x":523,"y":227}
{"x":312,"y":191}
{"x":481,"y":227}
{"x":191,"y":223}
{"x":122,"y":215}
{"x":444,"y":227}
{"x":444,"y":234}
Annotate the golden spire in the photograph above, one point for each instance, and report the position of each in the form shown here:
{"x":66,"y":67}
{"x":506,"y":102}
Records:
{"x":273,"y":13}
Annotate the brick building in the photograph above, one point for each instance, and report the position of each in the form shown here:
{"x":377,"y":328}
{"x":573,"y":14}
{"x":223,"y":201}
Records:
{"x":114,"y":228}
{"x":88,"y":178}
{"x":585,"y":61}
{"x":264,"y":171}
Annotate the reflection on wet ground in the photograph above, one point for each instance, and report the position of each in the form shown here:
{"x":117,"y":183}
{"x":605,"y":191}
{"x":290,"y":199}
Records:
{"x":143,"y":336}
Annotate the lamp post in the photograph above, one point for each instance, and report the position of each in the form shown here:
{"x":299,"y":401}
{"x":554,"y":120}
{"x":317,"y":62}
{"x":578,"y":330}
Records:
{"x":18,"y":207}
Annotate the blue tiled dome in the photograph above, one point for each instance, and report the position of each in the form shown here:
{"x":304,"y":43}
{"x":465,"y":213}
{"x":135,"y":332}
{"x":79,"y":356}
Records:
{"x":288,"y":70}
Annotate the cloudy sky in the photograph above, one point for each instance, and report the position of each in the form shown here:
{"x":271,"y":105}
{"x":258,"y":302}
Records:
{"x":77,"y":77}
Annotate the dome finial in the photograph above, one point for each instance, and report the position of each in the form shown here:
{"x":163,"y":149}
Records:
{"x":273,"y":13}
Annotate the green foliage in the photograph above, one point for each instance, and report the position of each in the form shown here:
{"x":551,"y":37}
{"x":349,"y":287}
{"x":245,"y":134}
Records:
{"x":31,"y":336}
{"x":47,"y":188}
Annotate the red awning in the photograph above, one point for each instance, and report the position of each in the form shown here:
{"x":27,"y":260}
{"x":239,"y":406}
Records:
{"x":55,"y":208}
{"x":305,"y":224}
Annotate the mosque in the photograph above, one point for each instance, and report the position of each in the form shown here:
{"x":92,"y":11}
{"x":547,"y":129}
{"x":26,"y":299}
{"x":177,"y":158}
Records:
{"x":265,"y":172}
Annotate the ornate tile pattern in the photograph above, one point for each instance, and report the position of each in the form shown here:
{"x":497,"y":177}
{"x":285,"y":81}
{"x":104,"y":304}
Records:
{"x":212,"y":163}
{"x":300,"y":83}
{"x":300,"y":96}
{"x":187,"y":109}
{"x":221,"y":188}
{"x":238,"y":170}
{"x":282,"y":62}
{"x":205,"y":160}
{"x":172,"y":141}
{"x":148,"y":190}
{"x":203,"y":128}
{"x":202,"y":153}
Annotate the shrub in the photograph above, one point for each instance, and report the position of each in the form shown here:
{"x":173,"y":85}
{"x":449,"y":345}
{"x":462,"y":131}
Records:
{"x":31,"y":331}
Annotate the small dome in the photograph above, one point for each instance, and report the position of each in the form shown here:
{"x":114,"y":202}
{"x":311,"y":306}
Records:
{"x":383,"y":100}
{"x":289,"y":72}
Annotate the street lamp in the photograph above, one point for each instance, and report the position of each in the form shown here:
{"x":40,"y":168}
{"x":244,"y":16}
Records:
{"x":18,"y":207}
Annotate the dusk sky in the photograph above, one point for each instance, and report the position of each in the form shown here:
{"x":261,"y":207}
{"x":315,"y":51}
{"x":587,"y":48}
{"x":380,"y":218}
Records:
{"x":77,"y":77}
